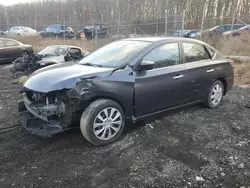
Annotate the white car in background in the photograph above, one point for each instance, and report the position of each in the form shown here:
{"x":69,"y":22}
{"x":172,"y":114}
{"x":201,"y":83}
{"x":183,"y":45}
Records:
{"x":20,"y":31}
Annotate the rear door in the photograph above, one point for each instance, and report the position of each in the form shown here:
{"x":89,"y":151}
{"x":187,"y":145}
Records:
{"x":12,"y":48}
{"x":165,"y":86}
{"x":200,"y":69}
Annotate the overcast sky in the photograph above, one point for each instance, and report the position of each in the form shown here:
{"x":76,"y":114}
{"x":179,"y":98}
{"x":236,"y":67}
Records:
{"x":11,"y":2}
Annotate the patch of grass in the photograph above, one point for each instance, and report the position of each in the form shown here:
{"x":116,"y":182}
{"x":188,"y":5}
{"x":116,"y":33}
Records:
{"x":238,"y":46}
{"x":242,"y":73}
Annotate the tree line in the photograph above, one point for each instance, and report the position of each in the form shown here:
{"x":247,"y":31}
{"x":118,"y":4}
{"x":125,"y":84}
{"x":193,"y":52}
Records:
{"x":81,"y":12}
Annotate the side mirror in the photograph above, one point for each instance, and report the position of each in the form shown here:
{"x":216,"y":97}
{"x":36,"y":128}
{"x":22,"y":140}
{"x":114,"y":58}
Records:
{"x":147,"y":65}
{"x":67,"y":57}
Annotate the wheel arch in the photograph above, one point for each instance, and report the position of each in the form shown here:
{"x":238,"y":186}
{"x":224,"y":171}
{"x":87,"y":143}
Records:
{"x":224,"y":82}
{"x":109,"y":98}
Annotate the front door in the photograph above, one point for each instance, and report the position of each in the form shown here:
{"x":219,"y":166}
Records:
{"x":163,"y":87}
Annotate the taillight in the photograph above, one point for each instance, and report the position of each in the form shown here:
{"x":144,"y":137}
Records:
{"x":231,"y":62}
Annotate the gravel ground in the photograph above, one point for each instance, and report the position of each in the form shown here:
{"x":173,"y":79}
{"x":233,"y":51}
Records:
{"x":195,"y":147}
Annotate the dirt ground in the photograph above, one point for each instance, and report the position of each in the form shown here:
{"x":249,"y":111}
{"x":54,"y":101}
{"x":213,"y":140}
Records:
{"x":194,"y":147}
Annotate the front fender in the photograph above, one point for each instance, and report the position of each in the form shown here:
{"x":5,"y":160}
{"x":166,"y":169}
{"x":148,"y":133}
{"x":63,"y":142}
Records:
{"x":119,"y":86}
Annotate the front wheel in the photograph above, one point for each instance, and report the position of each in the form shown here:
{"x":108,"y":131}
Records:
{"x":215,"y":95}
{"x":102,"y":122}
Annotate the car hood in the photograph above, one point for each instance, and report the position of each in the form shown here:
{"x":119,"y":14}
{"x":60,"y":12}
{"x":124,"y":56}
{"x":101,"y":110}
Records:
{"x":61,"y":76}
{"x":52,"y":60}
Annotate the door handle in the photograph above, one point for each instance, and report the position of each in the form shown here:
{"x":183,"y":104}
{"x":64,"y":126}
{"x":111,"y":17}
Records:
{"x":210,"y":70}
{"x":178,"y":77}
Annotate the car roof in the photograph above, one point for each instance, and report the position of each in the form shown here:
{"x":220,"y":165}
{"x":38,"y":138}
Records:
{"x":12,"y":40}
{"x":67,"y":46}
{"x":9,"y":39}
{"x":56,"y":25}
{"x":229,"y":25}
{"x":167,"y":39}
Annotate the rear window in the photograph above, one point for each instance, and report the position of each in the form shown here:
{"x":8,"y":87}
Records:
{"x":69,"y":29}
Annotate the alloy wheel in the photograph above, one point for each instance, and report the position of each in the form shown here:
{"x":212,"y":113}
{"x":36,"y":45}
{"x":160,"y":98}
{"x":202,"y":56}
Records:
{"x":107,"y":123}
{"x":216,"y":94}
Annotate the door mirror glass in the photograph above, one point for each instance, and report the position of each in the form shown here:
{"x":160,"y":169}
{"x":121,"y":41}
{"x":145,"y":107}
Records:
{"x":147,"y":65}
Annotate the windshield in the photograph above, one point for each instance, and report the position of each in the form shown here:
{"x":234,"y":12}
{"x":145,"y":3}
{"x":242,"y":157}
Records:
{"x":54,"y":50}
{"x":116,"y":54}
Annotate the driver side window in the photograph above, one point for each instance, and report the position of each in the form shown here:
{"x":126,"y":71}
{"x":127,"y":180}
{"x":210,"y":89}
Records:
{"x":164,"y":56}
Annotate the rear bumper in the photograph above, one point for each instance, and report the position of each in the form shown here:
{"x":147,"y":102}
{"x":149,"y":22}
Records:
{"x":38,"y":126}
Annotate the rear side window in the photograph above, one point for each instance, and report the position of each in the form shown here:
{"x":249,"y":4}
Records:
{"x":68,"y":29}
{"x":194,"y":52}
{"x":10,"y":43}
{"x":227,"y":28}
{"x":164,"y":56}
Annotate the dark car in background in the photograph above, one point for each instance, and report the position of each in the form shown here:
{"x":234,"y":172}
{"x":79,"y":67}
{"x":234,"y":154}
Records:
{"x":89,"y":32}
{"x":11,"y":49}
{"x":127,"y":80}
{"x":219,"y":29}
{"x":58,"y":31}
{"x":238,"y":32}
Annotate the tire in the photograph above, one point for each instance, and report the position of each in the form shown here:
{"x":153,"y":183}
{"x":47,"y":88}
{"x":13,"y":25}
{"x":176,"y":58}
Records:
{"x":214,"y":99}
{"x":25,"y":55}
{"x":90,"y":124}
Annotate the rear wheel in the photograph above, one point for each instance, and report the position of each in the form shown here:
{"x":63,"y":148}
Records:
{"x":215,"y":95}
{"x":102,"y":122}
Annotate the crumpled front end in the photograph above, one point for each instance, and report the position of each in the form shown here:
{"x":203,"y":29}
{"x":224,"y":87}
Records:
{"x":45,"y":114}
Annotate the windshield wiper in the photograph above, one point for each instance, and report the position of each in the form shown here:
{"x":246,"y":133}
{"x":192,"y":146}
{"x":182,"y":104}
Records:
{"x":91,"y":64}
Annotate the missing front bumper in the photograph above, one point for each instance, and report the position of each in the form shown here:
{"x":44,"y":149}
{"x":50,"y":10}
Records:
{"x":36,"y":125}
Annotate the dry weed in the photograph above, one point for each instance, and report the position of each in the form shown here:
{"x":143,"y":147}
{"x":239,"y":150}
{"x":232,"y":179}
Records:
{"x":242,"y":73}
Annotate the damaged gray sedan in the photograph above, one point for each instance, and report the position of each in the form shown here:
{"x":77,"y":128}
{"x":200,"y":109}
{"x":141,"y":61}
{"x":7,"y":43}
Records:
{"x":60,"y":54}
{"x":125,"y":81}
